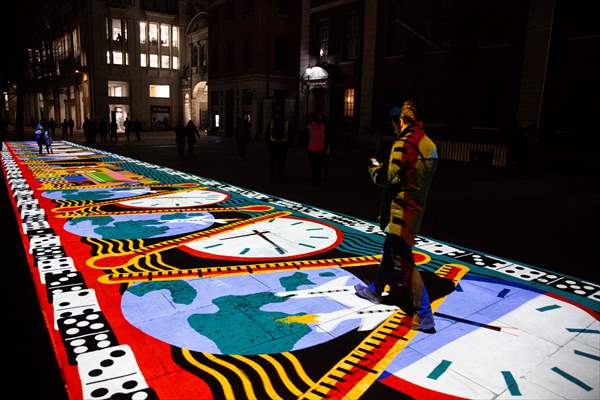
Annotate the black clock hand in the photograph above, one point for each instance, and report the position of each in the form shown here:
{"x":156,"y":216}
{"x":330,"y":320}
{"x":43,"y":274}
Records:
{"x":248,"y":234}
{"x":277,"y":247}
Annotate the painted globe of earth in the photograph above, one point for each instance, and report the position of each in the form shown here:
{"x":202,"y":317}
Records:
{"x":95,"y":194}
{"x":139,"y":226}
{"x":249,"y":314}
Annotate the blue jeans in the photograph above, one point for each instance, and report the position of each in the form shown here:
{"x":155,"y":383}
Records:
{"x":398,"y":254}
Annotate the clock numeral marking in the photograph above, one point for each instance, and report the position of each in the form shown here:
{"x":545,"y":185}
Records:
{"x":572,"y":379}
{"x":214,"y":245}
{"x":439,"y":369}
{"x":511,"y":383}
{"x":247,"y":249}
{"x":548,"y":308}
{"x":587,"y":355}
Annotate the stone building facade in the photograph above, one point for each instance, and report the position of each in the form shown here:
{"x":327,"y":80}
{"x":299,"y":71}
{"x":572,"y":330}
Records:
{"x":110,"y":59}
{"x":253,"y":68}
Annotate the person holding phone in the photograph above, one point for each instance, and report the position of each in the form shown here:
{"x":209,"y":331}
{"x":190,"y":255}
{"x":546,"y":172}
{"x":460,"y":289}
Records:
{"x":406,"y":179}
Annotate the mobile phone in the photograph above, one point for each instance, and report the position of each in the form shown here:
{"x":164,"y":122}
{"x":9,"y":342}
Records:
{"x":375,"y":162}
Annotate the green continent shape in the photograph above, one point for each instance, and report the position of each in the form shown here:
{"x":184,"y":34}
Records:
{"x":167,"y":217}
{"x":87,"y":195}
{"x":95,"y":221}
{"x":241,"y":326}
{"x":328,"y":273}
{"x":295,"y":281}
{"x":132,"y":229}
{"x":181,"y":292}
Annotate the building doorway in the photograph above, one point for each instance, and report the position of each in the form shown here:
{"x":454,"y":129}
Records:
{"x":118,"y":113}
{"x":200,"y":105}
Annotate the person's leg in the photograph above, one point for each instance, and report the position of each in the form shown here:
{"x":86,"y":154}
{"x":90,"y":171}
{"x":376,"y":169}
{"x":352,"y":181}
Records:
{"x":423,"y":316}
{"x":383,"y":275}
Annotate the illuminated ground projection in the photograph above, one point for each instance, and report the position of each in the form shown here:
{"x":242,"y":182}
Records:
{"x":160,"y":284}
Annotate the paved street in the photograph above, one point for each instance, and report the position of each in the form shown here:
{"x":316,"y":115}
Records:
{"x":540,"y":217}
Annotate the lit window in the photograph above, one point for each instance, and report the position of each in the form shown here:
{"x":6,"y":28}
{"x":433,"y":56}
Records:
{"x":126,"y":58}
{"x":118,"y":89}
{"x":153,"y":33}
{"x":154,"y":60}
{"x":163,"y":91}
{"x":117,"y":57}
{"x":349,"y":103}
{"x":142,"y":33}
{"x":107,"y":30}
{"x":175,"y":62}
{"x":143,"y":61}
{"x":164,"y":35}
{"x":175,"y":36}
{"x":117,"y":31}
{"x":217,"y":121}
{"x":107,"y":57}
{"x":164,"y":61}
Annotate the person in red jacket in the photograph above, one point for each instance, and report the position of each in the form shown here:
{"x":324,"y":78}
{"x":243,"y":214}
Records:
{"x":406,"y":178}
{"x":317,"y":146}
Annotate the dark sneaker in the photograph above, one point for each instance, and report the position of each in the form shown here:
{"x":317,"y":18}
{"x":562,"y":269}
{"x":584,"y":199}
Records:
{"x":364,"y":292}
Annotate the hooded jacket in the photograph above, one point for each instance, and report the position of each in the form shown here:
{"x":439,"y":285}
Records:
{"x":406,"y":178}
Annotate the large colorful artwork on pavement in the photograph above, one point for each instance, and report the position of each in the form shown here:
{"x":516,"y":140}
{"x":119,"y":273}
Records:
{"x":159,"y":284}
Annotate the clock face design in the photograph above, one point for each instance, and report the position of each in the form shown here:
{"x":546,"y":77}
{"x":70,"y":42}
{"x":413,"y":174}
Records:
{"x":277,"y":238}
{"x":187,"y":198}
{"x":500,"y":340}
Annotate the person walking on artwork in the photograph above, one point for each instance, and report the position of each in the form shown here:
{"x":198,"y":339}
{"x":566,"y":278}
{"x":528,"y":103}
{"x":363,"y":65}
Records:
{"x":180,"y":138}
{"x":192,"y":134}
{"x":277,"y":138}
{"x":113,"y":130}
{"x":48,"y":142}
{"x":40,"y":137}
{"x":406,"y":178}
{"x":317,"y":147}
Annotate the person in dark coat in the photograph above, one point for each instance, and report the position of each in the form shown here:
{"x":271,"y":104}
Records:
{"x":71,"y":124}
{"x":65,"y":128}
{"x":137,"y":128}
{"x":52,"y":127}
{"x":192,"y":134}
{"x":102,"y":130}
{"x":113,"y":130}
{"x":127,"y":125}
{"x":277,"y":137}
{"x":406,"y":178}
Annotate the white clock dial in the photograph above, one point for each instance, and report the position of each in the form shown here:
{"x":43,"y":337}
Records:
{"x":279,"y":238}
{"x":187,"y":198}
{"x":499,"y":340}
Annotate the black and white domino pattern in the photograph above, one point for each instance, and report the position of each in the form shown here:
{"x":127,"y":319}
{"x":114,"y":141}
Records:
{"x":106,"y":368}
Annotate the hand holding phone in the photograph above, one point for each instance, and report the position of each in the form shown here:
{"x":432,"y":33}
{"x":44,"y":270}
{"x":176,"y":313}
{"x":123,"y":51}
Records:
{"x":375,"y":162}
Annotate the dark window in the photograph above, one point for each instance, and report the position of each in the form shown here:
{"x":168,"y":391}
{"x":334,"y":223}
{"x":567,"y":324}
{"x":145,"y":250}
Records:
{"x":214,"y":62}
{"x":323,"y":41}
{"x":230,"y":54}
{"x":350,"y":36}
{"x":247,"y":52}
{"x":440,"y":24}
{"x":281,"y":54}
{"x":194,"y":56}
{"x":248,"y":6}
{"x":396,"y":34}
{"x":231,"y":9}
{"x":284,"y":7}
{"x":495,"y":22}
{"x":165,"y":6}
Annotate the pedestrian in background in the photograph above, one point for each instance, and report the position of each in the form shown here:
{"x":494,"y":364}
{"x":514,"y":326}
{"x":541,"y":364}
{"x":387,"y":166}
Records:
{"x":406,"y":178}
{"x":102,"y":130}
{"x":317,"y":146}
{"x":277,"y":138}
{"x":39,"y":137}
{"x":52,"y":127}
{"x":242,"y":135}
{"x":113,"y":130}
{"x":137,"y":128}
{"x":180,"y":138}
{"x":65,"y":128}
{"x":192,"y":134}
{"x":127,"y":125}
{"x":71,"y":124}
